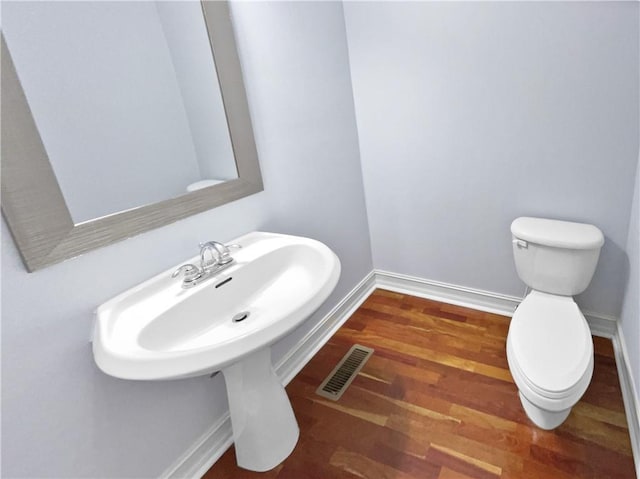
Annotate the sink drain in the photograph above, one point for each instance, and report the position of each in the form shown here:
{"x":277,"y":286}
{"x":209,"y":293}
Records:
{"x":240,"y":316}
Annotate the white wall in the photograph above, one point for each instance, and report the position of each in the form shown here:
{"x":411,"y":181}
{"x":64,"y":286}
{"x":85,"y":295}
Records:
{"x":471,"y":114}
{"x":62,"y":417}
{"x":630,"y":317}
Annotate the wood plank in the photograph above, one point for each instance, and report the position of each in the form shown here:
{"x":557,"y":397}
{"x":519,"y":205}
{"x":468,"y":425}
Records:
{"x":485,"y":466}
{"x":446,"y":473}
{"x":404,"y":461}
{"x":365,"y":467}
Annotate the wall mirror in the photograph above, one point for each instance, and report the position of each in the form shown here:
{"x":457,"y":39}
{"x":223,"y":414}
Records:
{"x":118,"y":117}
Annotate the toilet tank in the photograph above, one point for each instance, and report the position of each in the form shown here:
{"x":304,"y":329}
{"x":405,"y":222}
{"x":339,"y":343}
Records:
{"x":556,"y":257}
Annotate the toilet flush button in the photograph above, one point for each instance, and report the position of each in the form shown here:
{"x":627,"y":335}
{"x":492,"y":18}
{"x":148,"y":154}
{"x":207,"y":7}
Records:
{"x":521,"y":243}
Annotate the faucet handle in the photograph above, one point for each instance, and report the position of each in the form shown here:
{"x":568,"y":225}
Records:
{"x":234,"y":246}
{"x":190,"y":271}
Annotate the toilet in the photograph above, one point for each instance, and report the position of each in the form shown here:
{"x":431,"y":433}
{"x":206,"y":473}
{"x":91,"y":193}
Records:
{"x":549,"y":345}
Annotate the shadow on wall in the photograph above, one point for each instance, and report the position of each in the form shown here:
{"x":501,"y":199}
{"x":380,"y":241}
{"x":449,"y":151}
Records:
{"x":606,"y":290}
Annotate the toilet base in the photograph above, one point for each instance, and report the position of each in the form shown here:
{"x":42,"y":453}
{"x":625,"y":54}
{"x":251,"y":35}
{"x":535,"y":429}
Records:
{"x":542,"y":418}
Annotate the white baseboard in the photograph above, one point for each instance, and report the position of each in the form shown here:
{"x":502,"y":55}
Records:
{"x":215,"y":441}
{"x":448,"y":293}
{"x":631,"y":401}
{"x":199,"y":458}
{"x":601,"y":325}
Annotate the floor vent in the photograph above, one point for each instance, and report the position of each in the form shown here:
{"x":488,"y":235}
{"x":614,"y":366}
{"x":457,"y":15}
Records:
{"x":347,"y":369}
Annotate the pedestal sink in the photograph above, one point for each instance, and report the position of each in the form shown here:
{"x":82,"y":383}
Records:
{"x":159,"y":330}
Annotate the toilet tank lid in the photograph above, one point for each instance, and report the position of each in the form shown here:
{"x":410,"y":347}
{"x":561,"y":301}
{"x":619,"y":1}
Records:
{"x":556,"y":233}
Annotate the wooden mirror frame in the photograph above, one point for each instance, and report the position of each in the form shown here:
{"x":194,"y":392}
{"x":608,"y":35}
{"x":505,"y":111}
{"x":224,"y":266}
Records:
{"x":33,"y":204}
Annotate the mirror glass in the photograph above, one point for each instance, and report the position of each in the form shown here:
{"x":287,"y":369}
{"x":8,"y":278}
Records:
{"x":125,"y":97}
{"x":118,"y":118}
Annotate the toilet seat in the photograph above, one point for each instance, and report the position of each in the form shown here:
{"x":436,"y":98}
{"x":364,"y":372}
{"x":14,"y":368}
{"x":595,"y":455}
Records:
{"x":550,"y":350}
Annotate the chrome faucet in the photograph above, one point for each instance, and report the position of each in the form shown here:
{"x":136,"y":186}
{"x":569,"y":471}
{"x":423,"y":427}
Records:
{"x":191,"y":272}
{"x":214,"y":257}
{"x":220,"y":254}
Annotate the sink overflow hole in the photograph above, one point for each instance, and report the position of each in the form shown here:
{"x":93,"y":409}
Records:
{"x":240,"y":316}
{"x":222,"y":283}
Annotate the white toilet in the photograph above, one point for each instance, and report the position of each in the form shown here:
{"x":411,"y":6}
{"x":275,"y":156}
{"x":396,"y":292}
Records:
{"x":549,"y":346}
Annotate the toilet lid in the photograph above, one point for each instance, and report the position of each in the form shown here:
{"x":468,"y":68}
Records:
{"x":551,"y":341}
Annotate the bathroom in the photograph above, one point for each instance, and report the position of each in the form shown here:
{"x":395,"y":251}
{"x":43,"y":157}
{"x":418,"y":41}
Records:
{"x":405,"y":136}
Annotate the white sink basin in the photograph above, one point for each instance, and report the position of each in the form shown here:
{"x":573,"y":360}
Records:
{"x":158,"y":330}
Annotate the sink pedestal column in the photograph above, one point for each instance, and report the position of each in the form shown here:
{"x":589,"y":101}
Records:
{"x":265,"y":430}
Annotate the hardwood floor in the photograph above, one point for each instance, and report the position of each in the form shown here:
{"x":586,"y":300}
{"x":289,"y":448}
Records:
{"x":436,"y":400}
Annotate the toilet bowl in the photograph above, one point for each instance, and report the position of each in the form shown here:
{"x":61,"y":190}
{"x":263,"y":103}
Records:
{"x":550,"y":355}
{"x":549,"y":345}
